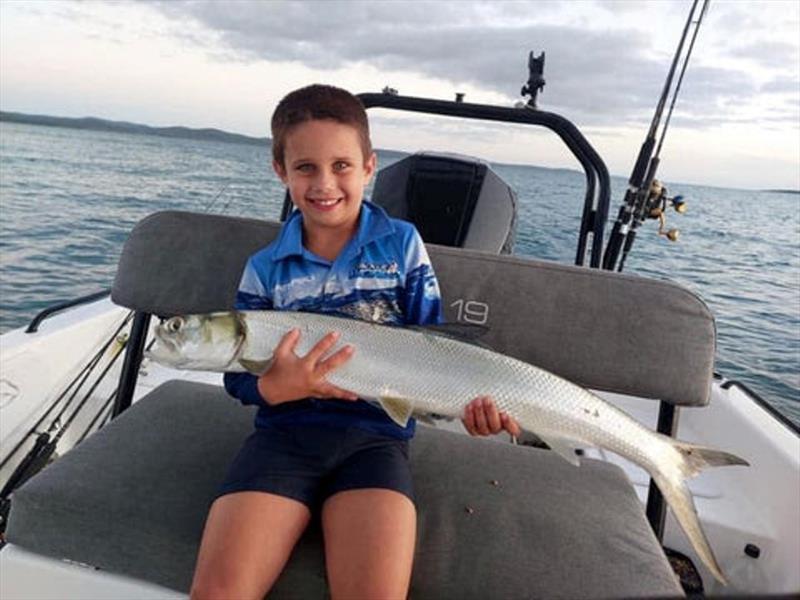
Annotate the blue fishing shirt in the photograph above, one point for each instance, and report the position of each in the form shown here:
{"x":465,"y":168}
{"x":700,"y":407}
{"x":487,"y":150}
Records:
{"x":382,"y":275}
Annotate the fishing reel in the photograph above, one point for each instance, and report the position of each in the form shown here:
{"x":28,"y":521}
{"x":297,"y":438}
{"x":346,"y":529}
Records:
{"x":657,"y":204}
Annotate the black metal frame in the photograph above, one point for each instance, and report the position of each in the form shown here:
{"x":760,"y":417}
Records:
{"x":596,"y":202}
{"x":656,"y":504}
{"x":133,"y":359}
{"x":598,"y":183}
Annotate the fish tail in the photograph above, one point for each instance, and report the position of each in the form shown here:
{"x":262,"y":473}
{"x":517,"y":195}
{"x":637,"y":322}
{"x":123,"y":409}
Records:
{"x":680,"y":501}
{"x":694,"y":459}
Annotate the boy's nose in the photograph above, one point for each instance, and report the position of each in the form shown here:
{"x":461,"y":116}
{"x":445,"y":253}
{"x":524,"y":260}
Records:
{"x":324,"y":181}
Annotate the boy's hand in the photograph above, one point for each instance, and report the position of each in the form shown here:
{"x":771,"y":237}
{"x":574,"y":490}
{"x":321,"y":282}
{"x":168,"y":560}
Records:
{"x":481,"y":417}
{"x":291,"y":377}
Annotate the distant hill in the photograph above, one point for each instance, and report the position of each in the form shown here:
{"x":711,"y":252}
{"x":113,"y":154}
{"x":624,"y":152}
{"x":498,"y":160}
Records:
{"x":783,"y":191}
{"x":96,"y":124}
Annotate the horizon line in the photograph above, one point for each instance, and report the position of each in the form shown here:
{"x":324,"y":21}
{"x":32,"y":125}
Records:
{"x":221,"y":135}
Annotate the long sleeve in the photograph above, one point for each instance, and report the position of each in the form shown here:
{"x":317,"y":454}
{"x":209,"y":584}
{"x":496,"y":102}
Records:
{"x":243,"y":386}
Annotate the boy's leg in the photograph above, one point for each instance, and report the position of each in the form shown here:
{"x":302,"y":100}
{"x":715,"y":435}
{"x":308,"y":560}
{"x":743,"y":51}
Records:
{"x":369,"y":543}
{"x":247,"y":540}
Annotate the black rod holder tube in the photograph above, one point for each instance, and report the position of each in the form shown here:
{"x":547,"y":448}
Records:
{"x":639,"y":169}
{"x":586,"y":155}
{"x":619,"y":231}
{"x":133,"y":358}
{"x":656,"y":505}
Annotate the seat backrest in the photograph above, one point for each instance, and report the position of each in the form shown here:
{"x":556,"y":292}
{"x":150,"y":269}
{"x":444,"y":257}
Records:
{"x":453,"y":200}
{"x":603,"y":330}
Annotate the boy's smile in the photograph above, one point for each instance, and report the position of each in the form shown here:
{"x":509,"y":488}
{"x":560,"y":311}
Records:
{"x":325,"y":171}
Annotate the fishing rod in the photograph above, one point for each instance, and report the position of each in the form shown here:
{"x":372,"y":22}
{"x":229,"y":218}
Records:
{"x":646,"y":197}
{"x":46,"y":441}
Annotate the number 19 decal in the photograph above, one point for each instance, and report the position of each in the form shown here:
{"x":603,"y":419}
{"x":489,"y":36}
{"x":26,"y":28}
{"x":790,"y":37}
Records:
{"x":471,"y":311}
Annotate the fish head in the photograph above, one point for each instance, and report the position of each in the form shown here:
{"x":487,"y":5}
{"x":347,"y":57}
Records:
{"x":208,"y":342}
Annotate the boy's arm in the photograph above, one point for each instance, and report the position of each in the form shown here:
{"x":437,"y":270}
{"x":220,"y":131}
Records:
{"x":243,"y":386}
{"x":289,"y":377}
{"x":423,"y":302}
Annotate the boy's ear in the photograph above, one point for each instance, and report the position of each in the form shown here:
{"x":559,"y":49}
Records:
{"x":370,"y":165}
{"x":279,"y":170}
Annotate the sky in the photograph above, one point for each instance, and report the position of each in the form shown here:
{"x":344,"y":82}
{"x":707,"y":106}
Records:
{"x":227,"y":64}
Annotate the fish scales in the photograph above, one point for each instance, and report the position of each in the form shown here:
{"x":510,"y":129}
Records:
{"x":442,"y":375}
{"x":408,"y":369}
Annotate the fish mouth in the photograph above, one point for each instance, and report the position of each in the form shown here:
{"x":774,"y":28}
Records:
{"x":164,"y":349}
{"x":166,"y":354}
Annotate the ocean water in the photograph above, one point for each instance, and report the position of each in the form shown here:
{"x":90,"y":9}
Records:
{"x":68,"y":198}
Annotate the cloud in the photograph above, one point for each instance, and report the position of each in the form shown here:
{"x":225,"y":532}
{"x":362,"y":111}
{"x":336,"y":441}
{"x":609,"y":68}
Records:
{"x":782,"y":85}
{"x":765,"y":52}
{"x":596,"y":76}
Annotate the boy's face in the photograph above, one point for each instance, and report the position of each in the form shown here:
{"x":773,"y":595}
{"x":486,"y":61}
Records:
{"x":325,"y":171}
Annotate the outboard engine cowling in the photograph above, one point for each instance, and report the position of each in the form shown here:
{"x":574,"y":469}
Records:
{"x":453,"y":200}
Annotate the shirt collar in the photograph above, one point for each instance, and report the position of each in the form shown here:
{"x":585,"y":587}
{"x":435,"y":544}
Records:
{"x":373,"y":224}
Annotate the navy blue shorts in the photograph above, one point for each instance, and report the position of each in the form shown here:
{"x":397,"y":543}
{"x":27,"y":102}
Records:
{"x":311,"y":463}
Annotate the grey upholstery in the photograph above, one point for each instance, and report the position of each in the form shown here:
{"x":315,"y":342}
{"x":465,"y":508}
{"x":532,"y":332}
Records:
{"x":603,"y":330}
{"x":432,"y":189}
{"x":177,"y":262}
{"x":133,"y":498}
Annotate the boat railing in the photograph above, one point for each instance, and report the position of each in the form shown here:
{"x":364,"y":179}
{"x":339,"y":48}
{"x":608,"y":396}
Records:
{"x":33,"y":326}
{"x":774,"y":412}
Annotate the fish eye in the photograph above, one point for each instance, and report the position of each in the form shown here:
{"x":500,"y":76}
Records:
{"x":174,"y":324}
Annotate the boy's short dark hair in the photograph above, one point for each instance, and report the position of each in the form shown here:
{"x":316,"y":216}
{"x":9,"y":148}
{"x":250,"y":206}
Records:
{"x":318,"y":102}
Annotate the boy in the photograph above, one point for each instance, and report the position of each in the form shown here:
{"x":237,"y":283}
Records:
{"x":318,"y":448}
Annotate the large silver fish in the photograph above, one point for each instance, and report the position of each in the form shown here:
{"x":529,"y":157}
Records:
{"x":413,"y":371}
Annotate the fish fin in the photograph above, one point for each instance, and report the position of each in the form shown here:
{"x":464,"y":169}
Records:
{"x":462,"y":332}
{"x":426,"y":418}
{"x":256,"y":367}
{"x":431,"y":418}
{"x":563,"y":447}
{"x":699,"y":457}
{"x":398,"y":409}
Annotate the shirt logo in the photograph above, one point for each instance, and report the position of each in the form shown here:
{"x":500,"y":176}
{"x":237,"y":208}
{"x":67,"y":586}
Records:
{"x":376,"y":270}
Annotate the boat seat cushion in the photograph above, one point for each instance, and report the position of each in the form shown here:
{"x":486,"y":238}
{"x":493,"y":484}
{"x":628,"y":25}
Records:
{"x":605,"y":331}
{"x":494,"y":519}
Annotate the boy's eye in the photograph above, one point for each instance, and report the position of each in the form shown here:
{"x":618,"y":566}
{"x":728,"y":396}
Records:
{"x":305,"y":167}
{"x":340,"y":165}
